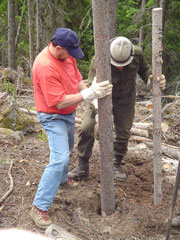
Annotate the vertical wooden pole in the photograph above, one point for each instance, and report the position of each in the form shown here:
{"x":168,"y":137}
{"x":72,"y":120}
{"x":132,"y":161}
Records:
{"x":103,"y":72}
{"x":157,"y":71}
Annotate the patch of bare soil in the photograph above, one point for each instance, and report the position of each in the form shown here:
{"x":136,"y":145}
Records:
{"x":78,"y":210}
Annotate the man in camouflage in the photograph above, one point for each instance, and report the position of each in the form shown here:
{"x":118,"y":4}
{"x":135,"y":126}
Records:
{"x":127,"y":61}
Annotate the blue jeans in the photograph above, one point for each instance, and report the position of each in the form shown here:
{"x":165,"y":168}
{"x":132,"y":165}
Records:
{"x":60,"y":132}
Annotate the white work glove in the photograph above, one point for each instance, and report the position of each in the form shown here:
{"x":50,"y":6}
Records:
{"x":95,"y":104}
{"x":162,"y":82}
{"x":97,"y":90}
{"x":109,"y":91}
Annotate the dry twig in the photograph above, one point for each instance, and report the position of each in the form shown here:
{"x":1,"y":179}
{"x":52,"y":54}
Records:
{"x":11,"y":184}
{"x":1,"y":208}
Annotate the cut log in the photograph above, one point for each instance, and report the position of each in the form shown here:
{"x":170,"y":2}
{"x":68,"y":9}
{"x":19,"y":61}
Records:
{"x":167,"y":150}
{"x":141,"y":125}
{"x":139,"y":139}
{"x":139,"y":132}
{"x":147,"y":140}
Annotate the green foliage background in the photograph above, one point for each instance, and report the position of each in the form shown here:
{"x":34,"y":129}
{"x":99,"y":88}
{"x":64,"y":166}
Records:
{"x":78,"y":16}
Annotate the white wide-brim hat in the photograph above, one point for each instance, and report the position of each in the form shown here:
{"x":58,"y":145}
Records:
{"x":121,"y":51}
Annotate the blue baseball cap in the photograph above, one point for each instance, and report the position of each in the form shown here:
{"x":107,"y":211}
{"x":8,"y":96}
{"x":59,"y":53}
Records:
{"x":68,"y":39}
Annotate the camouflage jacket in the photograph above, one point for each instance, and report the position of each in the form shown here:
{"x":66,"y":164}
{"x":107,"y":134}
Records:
{"x":124,"y":81}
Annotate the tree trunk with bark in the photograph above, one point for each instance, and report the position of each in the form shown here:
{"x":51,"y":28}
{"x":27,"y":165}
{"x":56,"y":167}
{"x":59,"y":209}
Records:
{"x":141,"y":31}
{"x":20,"y":24}
{"x":156,"y":3}
{"x":103,"y":72}
{"x":163,"y":5}
{"x":157,"y":71}
{"x":37,"y":28}
{"x":11,"y":34}
{"x":31,"y":48}
{"x":112,"y":6}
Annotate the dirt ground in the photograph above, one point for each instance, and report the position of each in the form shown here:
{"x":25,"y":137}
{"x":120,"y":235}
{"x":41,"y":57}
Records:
{"x":78,"y":210}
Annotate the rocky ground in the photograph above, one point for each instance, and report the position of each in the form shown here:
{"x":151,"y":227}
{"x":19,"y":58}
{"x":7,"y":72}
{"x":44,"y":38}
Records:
{"x":78,"y":210}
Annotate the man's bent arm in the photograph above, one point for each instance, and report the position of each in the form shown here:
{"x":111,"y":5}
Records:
{"x":72,"y":99}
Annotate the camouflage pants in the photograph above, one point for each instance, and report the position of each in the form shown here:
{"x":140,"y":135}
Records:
{"x":123,"y":114}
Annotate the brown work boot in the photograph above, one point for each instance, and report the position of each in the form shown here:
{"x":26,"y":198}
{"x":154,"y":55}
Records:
{"x":69,"y":184}
{"x":81,"y":172}
{"x":176,"y":222}
{"x":119,"y":173}
{"x":40,"y":217}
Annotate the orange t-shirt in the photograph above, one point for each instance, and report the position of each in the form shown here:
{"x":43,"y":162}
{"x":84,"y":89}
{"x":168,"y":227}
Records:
{"x":52,"y":80}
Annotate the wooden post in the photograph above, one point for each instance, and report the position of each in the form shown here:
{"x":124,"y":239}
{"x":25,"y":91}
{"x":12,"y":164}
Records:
{"x":103,"y":72}
{"x":157,"y":71}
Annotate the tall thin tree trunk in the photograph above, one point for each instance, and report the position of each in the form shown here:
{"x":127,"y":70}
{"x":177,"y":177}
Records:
{"x":156,"y":3}
{"x":20,"y":24}
{"x":31,"y":48}
{"x":141,"y":31}
{"x":157,"y":71}
{"x":11,"y":34}
{"x":163,"y":5}
{"x":103,"y":72}
{"x":37,"y":28}
{"x":112,"y":6}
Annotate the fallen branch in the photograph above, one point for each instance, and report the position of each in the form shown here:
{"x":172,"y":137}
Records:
{"x":139,"y":139}
{"x":11,"y":184}
{"x":31,"y":112}
{"x":1,"y":208}
{"x":56,"y":232}
{"x":171,"y":96}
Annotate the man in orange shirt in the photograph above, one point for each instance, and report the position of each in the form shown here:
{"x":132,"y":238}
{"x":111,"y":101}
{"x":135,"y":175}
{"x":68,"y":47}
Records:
{"x":58,"y":88}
